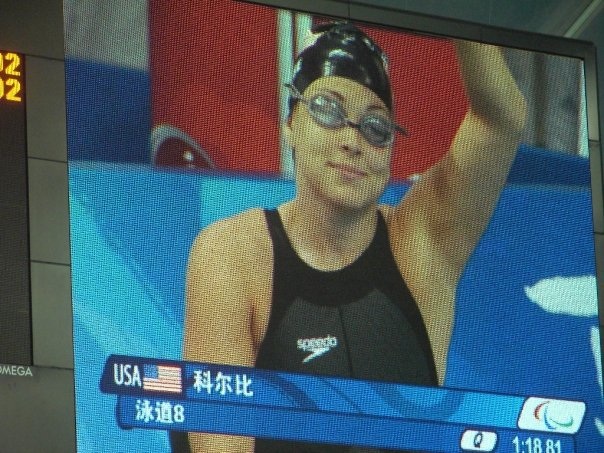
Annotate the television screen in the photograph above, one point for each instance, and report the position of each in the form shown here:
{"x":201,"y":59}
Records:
{"x":299,"y":232}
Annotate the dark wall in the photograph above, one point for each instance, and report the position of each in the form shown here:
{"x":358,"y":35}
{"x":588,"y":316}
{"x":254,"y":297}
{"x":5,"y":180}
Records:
{"x":15,"y":327}
{"x":37,"y":399}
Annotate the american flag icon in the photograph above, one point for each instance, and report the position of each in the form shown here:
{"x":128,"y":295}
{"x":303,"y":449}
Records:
{"x":162,"y":378}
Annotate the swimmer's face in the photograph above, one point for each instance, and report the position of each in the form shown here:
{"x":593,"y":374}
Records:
{"x":340,"y":164}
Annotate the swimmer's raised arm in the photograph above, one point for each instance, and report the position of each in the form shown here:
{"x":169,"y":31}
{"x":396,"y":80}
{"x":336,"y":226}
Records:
{"x":446,"y":212}
{"x":474,"y":172}
{"x":454,"y":200}
{"x":224,"y":269}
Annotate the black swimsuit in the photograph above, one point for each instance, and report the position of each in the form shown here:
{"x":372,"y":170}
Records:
{"x":360,"y":321}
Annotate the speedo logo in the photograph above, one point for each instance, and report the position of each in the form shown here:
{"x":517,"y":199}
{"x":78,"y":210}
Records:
{"x":316,"y":346}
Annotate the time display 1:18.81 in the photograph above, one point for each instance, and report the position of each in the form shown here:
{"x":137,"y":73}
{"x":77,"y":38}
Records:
{"x":536,"y":445}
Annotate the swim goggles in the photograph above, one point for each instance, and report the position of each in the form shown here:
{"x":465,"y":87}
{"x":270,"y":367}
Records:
{"x":377,"y":129}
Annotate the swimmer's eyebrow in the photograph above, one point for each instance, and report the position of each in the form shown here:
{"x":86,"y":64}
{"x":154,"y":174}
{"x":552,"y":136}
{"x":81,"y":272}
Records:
{"x":342,"y":99}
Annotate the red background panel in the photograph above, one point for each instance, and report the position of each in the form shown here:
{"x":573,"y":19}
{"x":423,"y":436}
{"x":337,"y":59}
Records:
{"x":429,"y":97}
{"x":214,"y":75}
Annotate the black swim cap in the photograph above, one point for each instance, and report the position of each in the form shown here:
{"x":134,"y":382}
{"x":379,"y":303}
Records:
{"x":341,"y":49}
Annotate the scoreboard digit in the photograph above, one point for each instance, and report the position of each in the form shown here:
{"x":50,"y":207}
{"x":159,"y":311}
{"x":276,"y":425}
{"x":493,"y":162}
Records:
{"x":11,"y":73}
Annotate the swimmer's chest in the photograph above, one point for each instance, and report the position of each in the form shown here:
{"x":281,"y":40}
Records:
{"x":368,"y":338}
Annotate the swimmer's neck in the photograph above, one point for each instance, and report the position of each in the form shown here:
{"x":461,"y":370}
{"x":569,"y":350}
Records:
{"x":326,"y":237}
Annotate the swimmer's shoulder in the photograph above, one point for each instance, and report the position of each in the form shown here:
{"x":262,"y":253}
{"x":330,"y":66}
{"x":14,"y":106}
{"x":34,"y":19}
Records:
{"x":240,"y":240}
{"x":245,"y":228}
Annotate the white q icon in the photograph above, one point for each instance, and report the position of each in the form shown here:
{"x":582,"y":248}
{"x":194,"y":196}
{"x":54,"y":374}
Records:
{"x":473,"y":440}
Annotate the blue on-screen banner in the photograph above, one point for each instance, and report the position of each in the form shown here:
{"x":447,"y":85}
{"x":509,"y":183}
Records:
{"x":187,"y":396}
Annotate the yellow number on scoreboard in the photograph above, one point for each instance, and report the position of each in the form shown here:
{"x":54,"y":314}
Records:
{"x":13,"y":64}
{"x":10,"y":87}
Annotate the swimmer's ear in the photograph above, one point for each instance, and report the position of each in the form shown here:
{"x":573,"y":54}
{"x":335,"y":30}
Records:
{"x":287,"y":134}
{"x":286,"y":131}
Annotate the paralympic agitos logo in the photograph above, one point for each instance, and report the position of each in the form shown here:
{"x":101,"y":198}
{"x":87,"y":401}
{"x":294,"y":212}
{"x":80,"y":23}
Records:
{"x":551,"y":415}
{"x":552,"y":422}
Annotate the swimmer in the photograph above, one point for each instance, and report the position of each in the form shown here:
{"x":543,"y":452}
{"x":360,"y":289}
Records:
{"x":373,"y":286}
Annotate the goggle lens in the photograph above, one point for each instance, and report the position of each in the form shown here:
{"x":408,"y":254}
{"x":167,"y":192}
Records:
{"x":327,"y":112}
{"x":377,"y":130}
